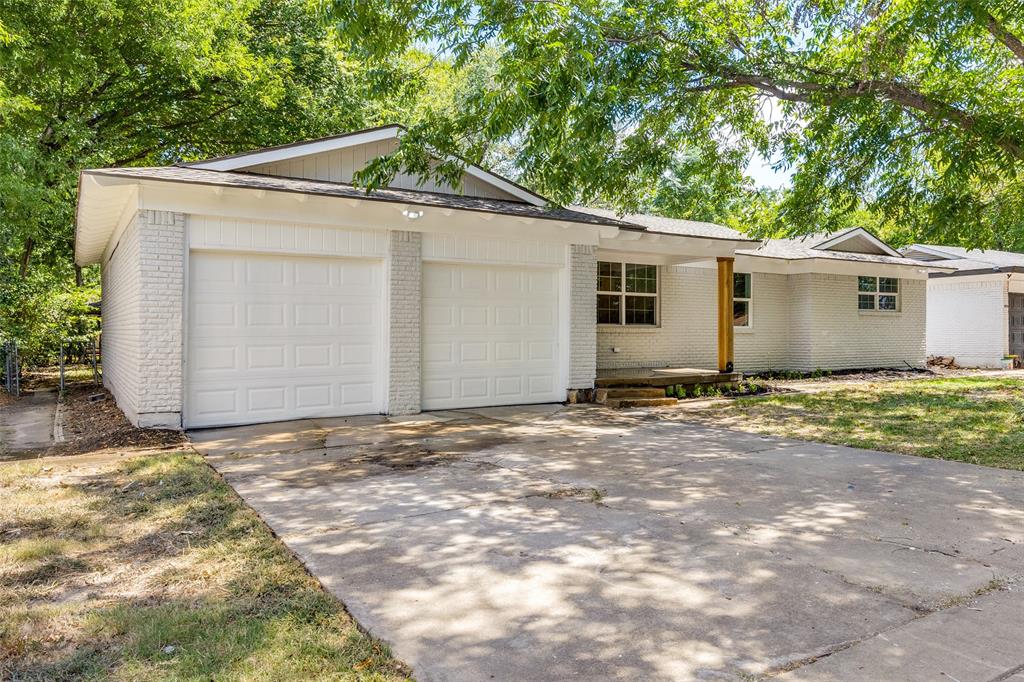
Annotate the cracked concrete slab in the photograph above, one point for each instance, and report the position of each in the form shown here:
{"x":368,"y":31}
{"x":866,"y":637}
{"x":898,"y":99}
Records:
{"x":543,"y":543}
{"x":26,"y":426}
{"x":980,"y":640}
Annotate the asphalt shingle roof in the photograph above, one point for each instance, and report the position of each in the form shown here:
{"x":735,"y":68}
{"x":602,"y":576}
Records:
{"x":800,"y":249}
{"x":977,"y":259}
{"x":687,"y":228}
{"x":275,"y":183}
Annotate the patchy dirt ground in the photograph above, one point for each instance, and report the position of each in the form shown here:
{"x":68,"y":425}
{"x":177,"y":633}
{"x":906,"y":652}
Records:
{"x":93,"y":422}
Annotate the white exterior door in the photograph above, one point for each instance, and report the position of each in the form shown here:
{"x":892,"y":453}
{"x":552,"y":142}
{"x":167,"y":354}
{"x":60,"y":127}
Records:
{"x":490,"y":336}
{"x":274,"y":337}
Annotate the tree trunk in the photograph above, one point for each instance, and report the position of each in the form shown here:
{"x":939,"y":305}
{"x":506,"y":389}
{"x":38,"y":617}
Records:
{"x":26,"y":256}
{"x":78,"y":275}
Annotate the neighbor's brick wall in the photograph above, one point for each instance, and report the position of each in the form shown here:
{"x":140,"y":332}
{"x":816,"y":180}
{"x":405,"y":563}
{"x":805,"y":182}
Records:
{"x":583,"y":316}
{"x":967,"y":319}
{"x":405,"y":282}
{"x":143,"y":299}
{"x":120,"y":345}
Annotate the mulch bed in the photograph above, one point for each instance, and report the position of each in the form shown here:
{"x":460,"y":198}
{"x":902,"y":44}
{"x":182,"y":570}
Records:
{"x":98,"y":424}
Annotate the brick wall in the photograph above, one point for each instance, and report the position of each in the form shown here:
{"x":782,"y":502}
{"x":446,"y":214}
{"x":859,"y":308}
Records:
{"x":839,"y":336}
{"x":800,"y":322}
{"x":143,"y":299}
{"x":967,"y":319}
{"x":765,"y":344}
{"x":120,"y":306}
{"x":583,"y":316}
{"x":687,"y":335}
{"x":405,"y":282}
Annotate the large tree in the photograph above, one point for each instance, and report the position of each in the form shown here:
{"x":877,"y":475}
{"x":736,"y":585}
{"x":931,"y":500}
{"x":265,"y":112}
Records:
{"x":93,"y":83}
{"x":910,"y":109}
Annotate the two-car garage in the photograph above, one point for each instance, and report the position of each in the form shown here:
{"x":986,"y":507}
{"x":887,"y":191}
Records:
{"x":276,"y":336}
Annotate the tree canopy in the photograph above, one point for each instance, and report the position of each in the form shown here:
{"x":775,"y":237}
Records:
{"x":95,"y":83}
{"x":911,"y":110}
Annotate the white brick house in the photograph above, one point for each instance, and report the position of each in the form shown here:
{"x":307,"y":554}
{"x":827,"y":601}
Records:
{"x":265,"y":286}
{"x":976,"y":310}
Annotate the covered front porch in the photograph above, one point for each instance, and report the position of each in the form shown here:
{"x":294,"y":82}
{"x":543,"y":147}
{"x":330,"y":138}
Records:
{"x":653,"y":386}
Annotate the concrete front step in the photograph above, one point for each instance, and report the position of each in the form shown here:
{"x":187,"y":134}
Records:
{"x":640,"y":402}
{"x":644,"y":392}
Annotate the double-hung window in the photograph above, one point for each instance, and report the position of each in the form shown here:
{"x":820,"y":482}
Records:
{"x":627,"y":293}
{"x":878,"y":293}
{"x":741,"y":299}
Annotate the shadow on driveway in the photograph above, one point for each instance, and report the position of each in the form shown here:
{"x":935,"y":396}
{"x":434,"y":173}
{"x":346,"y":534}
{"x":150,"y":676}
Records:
{"x":548,"y":542}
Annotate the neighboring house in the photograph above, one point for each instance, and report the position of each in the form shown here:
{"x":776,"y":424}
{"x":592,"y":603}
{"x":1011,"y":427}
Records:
{"x":976,"y":311}
{"x":264,"y":286}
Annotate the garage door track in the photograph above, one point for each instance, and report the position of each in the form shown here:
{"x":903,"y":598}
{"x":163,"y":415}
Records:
{"x":549,"y":542}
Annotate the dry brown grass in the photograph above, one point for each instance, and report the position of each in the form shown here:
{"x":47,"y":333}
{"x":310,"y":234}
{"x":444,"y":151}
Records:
{"x":150,"y":567}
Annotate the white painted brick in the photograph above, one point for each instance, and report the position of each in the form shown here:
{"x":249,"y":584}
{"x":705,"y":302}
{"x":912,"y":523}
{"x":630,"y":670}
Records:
{"x":406,"y":298}
{"x":143,"y":298}
{"x":967,"y":319}
{"x":800,"y":322}
{"x":583,"y":316}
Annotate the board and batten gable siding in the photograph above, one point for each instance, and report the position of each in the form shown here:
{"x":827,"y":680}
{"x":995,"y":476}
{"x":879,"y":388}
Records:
{"x":143,"y":295}
{"x":341,"y":165}
{"x":800,"y":322}
{"x":967,"y":320}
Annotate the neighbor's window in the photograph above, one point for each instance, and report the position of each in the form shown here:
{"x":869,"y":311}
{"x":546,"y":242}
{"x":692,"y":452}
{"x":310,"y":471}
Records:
{"x":627,"y":293}
{"x":741,"y":299}
{"x":878,"y":293}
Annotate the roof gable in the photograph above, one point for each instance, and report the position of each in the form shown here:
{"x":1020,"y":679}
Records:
{"x":856,"y":240}
{"x":338,"y":158}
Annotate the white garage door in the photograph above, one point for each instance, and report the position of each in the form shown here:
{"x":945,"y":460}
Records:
{"x":279,"y":337}
{"x":490,"y":336}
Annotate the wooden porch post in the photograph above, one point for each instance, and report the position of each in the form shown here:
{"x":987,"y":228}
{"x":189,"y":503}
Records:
{"x":725,"y":330}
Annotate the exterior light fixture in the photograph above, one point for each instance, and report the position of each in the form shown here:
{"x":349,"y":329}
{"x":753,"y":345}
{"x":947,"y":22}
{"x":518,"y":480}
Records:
{"x":412,"y":214}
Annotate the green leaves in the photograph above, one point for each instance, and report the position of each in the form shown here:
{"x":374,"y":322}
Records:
{"x":911,"y":110}
{"x":94,"y":83}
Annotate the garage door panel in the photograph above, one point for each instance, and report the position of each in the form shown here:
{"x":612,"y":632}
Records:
{"x":279,"y":337}
{"x":490,"y":336}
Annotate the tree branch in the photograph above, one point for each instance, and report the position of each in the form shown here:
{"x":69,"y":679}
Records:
{"x":1000,"y":33}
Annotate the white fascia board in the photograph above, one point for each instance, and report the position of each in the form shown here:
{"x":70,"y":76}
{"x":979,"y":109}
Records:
{"x":258,"y":158}
{"x":858,"y":232}
{"x":832,"y":266}
{"x":350,"y":212}
{"x":933,"y":251}
{"x":672,"y":249}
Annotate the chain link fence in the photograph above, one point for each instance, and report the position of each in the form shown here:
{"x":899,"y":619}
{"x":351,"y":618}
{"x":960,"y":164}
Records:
{"x":11,"y":367}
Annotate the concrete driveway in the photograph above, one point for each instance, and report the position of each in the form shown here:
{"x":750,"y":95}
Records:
{"x":549,"y":542}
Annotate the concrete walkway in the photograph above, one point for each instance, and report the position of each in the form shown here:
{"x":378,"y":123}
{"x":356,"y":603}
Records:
{"x":26,"y":426}
{"x":548,"y":543}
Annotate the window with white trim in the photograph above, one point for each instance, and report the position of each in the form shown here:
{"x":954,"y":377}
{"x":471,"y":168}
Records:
{"x":878,"y":293}
{"x":627,"y":293}
{"x":742,"y":299}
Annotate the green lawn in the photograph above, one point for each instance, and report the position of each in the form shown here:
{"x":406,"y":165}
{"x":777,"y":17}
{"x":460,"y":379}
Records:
{"x":151,"y":568}
{"x":970,"y":419}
